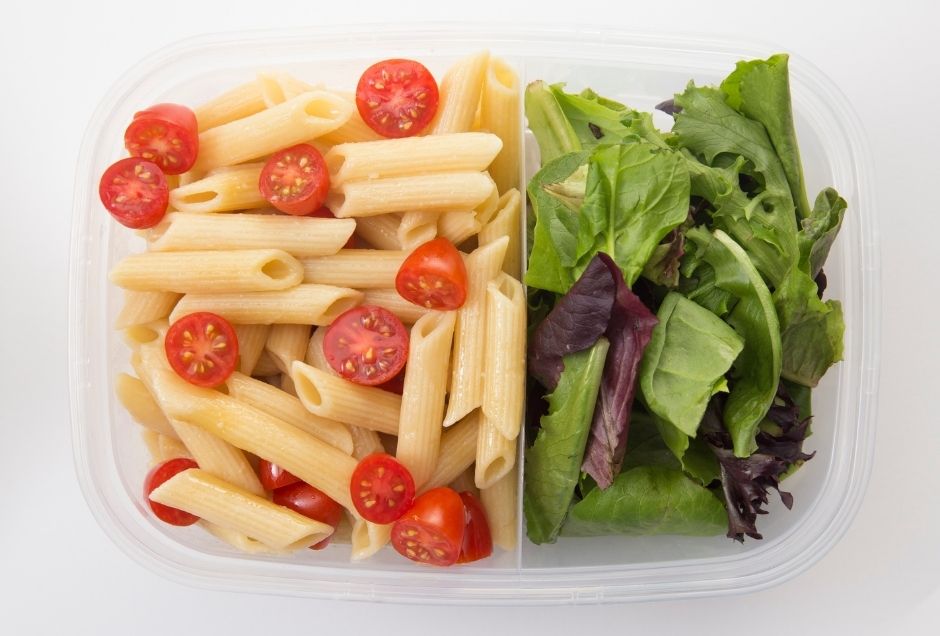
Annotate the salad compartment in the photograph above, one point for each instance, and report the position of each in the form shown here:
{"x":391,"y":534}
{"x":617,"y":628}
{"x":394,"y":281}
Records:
{"x":640,"y":71}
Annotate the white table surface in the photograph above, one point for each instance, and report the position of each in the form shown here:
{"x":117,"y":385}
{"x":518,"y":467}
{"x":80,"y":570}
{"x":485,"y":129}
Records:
{"x":59,"y":573}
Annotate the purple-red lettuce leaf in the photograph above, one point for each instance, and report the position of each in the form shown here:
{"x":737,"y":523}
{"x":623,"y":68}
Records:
{"x":575,"y":323}
{"x":629,"y":331}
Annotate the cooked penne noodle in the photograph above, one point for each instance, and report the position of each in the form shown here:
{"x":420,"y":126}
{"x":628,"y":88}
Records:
{"x":297,"y":235}
{"x":411,"y":155}
{"x":417,"y":228}
{"x":287,"y":384}
{"x":206,"y":271}
{"x":314,"y":355}
{"x":332,"y":397}
{"x":506,"y":223}
{"x":145,"y":306}
{"x":241,"y":101}
{"x":457,"y":227}
{"x":139,"y":335}
{"x":266,"y":367}
{"x":288,"y":408}
{"x":500,"y":503}
{"x":437,"y":192}
{"x":466,"y":380}
{"x":422,"y":400}
{"x":296,"y":120}
{"x":277,"y":87}
{"x":251,"y":341}
{"x":368,"y":538}
{"x":287,"y":343}
{"x":152,"y":442}
{"x":310,"y":304}
{"x":460,"y":94}
{"x":235,"y":189}
{"x":199,"y":493}
{"x":465,"y":482}
{"x":500,"y":114}
{"x":362,"y":269}
{"x":488,"y":207}
{"x":237,"y":540}
{"x":134,"y":396}
{"x":380,"y":231}
{"x":365,"y":442}
{"x":496,"y":454}
{"x":354,"y":130}
{"x":457,"y":451}
{"x":312,"y":460}
{"x":408,"y":312}
{"x":504,"y":355}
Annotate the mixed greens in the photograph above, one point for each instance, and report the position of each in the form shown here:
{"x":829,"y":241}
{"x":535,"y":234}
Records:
{"x":675,"y":305}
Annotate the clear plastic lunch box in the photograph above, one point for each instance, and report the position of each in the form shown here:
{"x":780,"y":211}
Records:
{"x":640,"y":70}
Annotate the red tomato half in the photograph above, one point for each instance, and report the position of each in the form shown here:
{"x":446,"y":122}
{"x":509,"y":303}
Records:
{"x":310,"y":502}
{"x":477,"y":540}
{"x":396,"y":384}
{"x":397,"y":98}
{"x":433,"y":276}
{"x":382,"y":489}
{"x":202,"y":348}
{"x":295,"y":180}
{"x":135,"y":192}
{"x":165,"y":134}
{"x":159,"y":474}
{"x":273,"y":476}
{"x":433,"y":530}
{"x":366,"y":345}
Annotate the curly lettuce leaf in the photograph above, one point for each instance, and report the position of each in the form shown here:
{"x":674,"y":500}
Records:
{"x":820,"y":228}
{"x":548,"y":123}
{"x":599,"y":120}
{"x":648,"y":500}
{"x":553,"y":463}
{"x":756,"y":371}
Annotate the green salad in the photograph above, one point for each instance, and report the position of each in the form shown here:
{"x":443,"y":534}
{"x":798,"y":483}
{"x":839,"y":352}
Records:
{"x":676,"y":316}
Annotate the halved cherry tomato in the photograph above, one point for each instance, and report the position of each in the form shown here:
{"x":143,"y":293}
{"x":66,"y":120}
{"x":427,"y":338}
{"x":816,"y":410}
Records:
{"x":433,"y":276}
{"x":165,"y":134}
{"x":135,"y":192}
{"x":295,"y":180}
{"x":324,"y":212}
{"x":310,"y":502}
{"x":433,"y":530}
{"x":366,"y":345}
{"x":477,"y":540}
{"x":396,"y":384}
{"x":397,"y":98}
{"x":202,"y":348}
{"x":382,"y":489}
{"x":273,"y":476}
{"x":159,"y":474}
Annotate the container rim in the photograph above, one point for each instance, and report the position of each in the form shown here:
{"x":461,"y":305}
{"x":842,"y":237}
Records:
{"x":679,"y":579}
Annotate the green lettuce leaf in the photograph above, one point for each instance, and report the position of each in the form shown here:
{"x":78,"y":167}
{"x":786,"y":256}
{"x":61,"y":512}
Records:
{"x":598,"y":120}
{"x":686,"y":361}
{"x":553,"y":463}
{"x":819,"y":230}
{"x":648,"y":500}
{"x":548,"y":123}
{"x":760,"y":90}
{"x":693,"y":454}
{"x":756,"y":371}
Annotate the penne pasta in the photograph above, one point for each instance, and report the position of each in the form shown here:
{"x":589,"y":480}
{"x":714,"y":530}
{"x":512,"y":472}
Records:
{"x":332,"y":397}
{"x":457,"y":227}
{"x":354,"y":130}
{"x":288,"y":408}
{"x":466,"y":151}
{"x":234,"y":189}
{"x":362,"y":269}
{"x":266,"y":367}
{"x":365,"y":442}
{"x":237,"y":540}
{"x":368,"y":538}
{"x":139,"y":335}
{"x":202,"y":494}
{"x":408,"y":312}
{"x":251,"y":340}
{"x":136,"y":399}
{"x":296,"y":120}
{"x":277,"y":87}
{"x":466,"y":379}
{"x":141,"y":307}
{"x":417,"y":228}
{"x":504,"y":356}
{"x":239,"y":102}
{"x":314,"y":355}
{"x":460,"y":94}
{"x":500,"y":114}
{"x":297,"y":235}
{"x":422,"y":400}
{"x":457,"y":451}
{"x":380,"y":231}
{"x":501,"y":502}
{"x":464,"y":482}
{"x":287,"y":343}
{"x":506,"y":222}
{"x":496,"y":454}
{"x":287,"y":384}
{"x":435,"y":192}
{"x":310,"y":304}
{"x":206,"y":271}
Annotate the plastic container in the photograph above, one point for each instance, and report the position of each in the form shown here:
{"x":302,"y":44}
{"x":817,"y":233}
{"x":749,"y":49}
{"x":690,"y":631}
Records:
{"x":640,"y":70}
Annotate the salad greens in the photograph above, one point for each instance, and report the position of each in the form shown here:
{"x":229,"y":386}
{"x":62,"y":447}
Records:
{"x":676,"y":311}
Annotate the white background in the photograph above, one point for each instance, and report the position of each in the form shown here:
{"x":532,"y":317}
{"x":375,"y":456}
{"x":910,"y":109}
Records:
{"x":60,"y":574}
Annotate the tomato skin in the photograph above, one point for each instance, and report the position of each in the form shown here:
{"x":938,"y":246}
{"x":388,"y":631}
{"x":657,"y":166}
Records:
{"x":159,"y":474}
{"x":165,"y":134}
{"x":432,"y":531}
{"x":381,"y":488}
{"x":433,"y":276}
{"x":273,"y":476}
{"x":395,"y":385}
{"x":397,"y":97}
{"x":202,"y":348}
{"x":134,"y":192}
{"x":477,"y":540}
{"x":310,"y":502}
{"x":278,"y":180}
{"x":367,"y":345}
